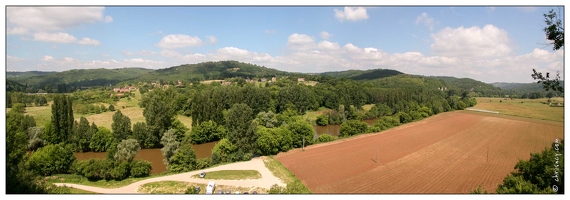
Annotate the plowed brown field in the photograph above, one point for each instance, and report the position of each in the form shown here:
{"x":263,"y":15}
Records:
{"x":448,"y":153}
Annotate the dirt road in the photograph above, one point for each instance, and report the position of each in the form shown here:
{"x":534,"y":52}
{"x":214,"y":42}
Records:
{"x":266,"y":181}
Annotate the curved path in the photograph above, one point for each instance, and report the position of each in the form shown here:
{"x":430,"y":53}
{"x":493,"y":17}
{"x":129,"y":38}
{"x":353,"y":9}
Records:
{"x":266,"y":181}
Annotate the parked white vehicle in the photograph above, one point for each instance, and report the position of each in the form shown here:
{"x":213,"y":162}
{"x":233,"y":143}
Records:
{"x":210,"y":188}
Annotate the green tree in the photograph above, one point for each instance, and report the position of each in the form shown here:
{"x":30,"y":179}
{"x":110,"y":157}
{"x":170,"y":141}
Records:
{"x":140,"y":168}
{"x":121,"y":126}
{"x":158,"y":111}
{"x":322,"y":120}
{"x":301,"y":131}
{"x":554,"y":31}
{"x":84,"y":133}
{"x":34,"y":138}
{"x":184,"y":159}
{"x":19,"y":107}
{"x":52,"y":159}
{"x":127,"y":150}
{"x":111,"y":107}
{"x":102,"y":140}
{"x":325,"y":138}
{"x":169,"y":146}
{"x":62,"y":120}
{"x":352,"y":127}
{"x":141,"y":134}
{"x":238,"y":123}
{"x":223,"y":151}
{"x":206,"y":132}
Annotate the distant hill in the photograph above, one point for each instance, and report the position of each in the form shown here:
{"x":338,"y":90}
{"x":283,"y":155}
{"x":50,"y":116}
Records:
{"x":211,"y":71}
{"x":12,"y":86}
{"x":81,"y":77}
{"x":26,"y":74}
{"x":519,"y":87}
{"x":476,"y":86}
{"x":358,"y":75}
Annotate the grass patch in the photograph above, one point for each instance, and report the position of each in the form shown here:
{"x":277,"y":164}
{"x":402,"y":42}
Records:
{"x":231,"y":175}
{"x":178,"y":187}
{"x":312,"y":115}
{"x":77,"y":179}
{"x":169,"y":187}
{"x":79,"y":191}
{"x":279,"y":170}
{"x":367,"y":107}
{"x":531,"y":108}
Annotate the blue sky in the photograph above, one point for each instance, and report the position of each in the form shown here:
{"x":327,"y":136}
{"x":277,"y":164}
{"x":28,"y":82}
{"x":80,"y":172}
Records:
{"x":490,"y":44}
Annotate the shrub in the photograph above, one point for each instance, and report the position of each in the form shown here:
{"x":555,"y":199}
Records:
{"x":352,"y":127}
{"x":121,"y":171}
{"x":203,"y":163}
{"x":52,"y":159}
{"x":322,"y":120}
{"x":325,"y":138}
{"x":140,"y":168}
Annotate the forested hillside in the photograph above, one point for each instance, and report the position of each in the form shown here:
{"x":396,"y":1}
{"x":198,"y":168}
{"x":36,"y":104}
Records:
{"x":68,"y":81}
{"x":370,"y":74}
{"x":210,"y":71}
{"x":477,"y":87}
{"x":26,"y":74}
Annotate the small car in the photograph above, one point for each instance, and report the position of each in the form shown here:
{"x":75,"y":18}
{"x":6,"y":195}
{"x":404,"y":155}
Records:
{"x":254,"y":192}
{"x":202,"y":174}
{"x":237,"y":192}
{"x":228,"y":192}
{"x":220,"y":192}
{"x":198,"y":189}
{"x":245,"y":192}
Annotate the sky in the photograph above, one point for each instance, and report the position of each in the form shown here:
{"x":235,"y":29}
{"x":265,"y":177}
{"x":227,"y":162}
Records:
{"x":485,"y":43}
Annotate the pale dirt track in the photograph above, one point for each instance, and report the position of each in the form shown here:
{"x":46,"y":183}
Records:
{"x":266,"y":181}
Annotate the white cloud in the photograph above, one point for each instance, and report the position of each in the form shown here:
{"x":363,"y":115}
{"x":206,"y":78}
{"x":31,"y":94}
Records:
{"x":63,"y":38}
{"x":14,"y":58}
{"x":426,"y":20}
{"x":351,"y":14}
{"x":300,"y":41}
{"x":16,"y":31}
{"x":54,"y":37}
{"x":139,"y":53}
{"x":108,"y":19}
{"x":179,"y":41}
{"x":47,"y":58}
{"x":488,"y":41}
{"x":52,"y":18}
{"x":88,"y":41}
{"x":212,"y":39}
{"x":326,"y":45}
{"x":325,"y":35}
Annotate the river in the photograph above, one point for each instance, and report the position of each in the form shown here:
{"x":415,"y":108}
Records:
{"x":154,"y":156}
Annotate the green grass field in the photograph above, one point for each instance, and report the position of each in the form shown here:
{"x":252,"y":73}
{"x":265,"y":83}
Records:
{"x":178,"y":187}
{"x":231,"y":175}
{"x":531,"y":108}
{"x":129,"y":108}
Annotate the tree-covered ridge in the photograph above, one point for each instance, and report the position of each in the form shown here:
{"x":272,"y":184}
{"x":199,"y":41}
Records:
{"x":211,"y":71}
{"x":477,"y":87}
{"x":26,"y":74}
{"x":76,"y":78}
{"x":370,"y":74}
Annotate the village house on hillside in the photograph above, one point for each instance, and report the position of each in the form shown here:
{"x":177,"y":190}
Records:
{"x":300,"y":79}
{"x":226,"y":83}
{"x":274,"y":79}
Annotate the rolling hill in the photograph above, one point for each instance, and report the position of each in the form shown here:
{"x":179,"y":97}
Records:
{"x":210,"y":71}
{"x":358,"y":75}
{"x":81,"y":77}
